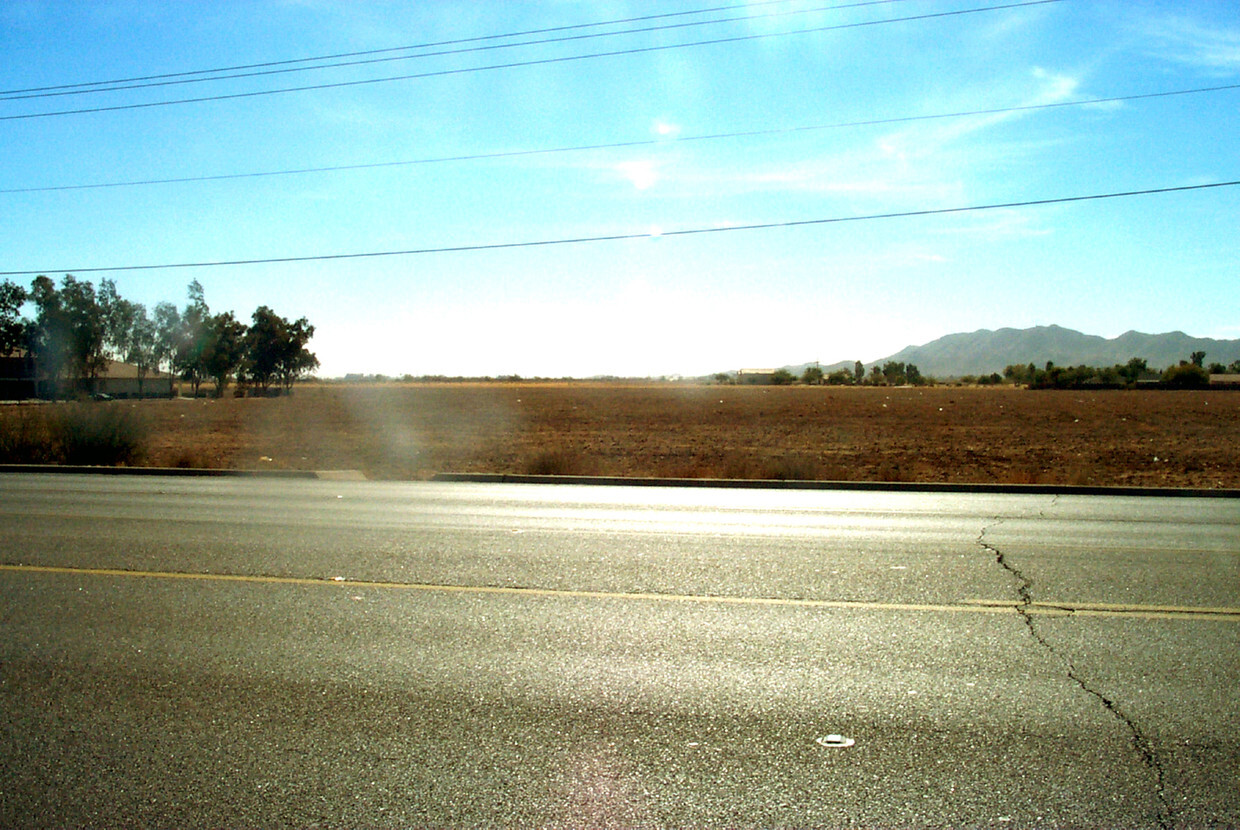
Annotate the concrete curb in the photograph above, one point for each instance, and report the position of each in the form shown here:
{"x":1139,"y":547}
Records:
{"x":622,"y":481}
{"x":871,"y":486}
{"x":332,"y":475}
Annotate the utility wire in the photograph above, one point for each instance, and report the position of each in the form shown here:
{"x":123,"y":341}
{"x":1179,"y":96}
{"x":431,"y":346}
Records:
{"x":388,"y":50}
{"x":162,"y":81}
{"x":539,"y":62}
{"x":629,"y":144}
{"x":544,"y":243}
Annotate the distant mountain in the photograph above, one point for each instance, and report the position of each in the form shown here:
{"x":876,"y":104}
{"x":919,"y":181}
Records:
{"x":985,"y":351}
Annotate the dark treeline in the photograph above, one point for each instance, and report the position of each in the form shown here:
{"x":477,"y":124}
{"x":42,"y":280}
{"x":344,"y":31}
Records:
{"x":1187,"y":374}
{"x":76,"y":331}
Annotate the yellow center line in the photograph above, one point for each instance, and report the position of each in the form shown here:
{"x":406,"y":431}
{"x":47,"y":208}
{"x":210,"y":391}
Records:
{"x":975,"y":606}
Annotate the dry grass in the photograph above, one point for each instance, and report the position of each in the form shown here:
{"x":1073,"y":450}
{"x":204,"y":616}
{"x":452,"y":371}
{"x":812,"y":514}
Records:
{"x":73,"y":433}
{"x":1186,"y":438}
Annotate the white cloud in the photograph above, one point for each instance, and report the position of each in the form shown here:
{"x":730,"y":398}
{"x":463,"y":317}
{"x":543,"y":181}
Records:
{"x":1185,"y":40}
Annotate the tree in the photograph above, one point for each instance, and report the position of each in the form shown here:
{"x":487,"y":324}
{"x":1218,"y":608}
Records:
{"x":118,"y":316}
{"x":48,"y":334}
{"x":858,"y":371}
{"x":67,"y":335}
{"x":189,"y":355}
{"x":264,"y":346}
{"x":223,"y":349}
{"x":1134,"y":370}
{"x":143,"y":344}
{"x":782,"y":377}
{"x":841,"y":377}
{"x":12,"y":326}
{"x":1186,"y":376}
{"x":1198,"y":359}
{"x":894,"y":372}
{"x":297,"y":360}
{"x":276,"y":349}
{"x":812,"y":375}
{"x":167,"y":324}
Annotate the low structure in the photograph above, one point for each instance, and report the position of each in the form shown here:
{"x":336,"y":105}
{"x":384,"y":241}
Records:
{"x":756,"y":377}
{"x":19,"y":380}
{"x":16,"y":378}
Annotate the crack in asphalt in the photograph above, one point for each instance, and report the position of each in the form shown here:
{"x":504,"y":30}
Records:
{"x":1142,"y":744}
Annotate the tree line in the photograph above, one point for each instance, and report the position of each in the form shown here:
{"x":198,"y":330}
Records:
{"x":76,"y":330}
{"x":891,"y":373}
{"x":1192,"y":373}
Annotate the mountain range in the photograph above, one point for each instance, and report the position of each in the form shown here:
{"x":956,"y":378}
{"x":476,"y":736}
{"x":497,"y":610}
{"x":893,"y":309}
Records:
{"x":985,"y":351}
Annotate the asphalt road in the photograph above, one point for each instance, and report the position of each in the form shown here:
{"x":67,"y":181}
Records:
{"x":249,"y":652}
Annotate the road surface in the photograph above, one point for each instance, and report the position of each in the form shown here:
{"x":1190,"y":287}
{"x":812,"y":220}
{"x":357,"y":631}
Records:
{"x":250,"y":652}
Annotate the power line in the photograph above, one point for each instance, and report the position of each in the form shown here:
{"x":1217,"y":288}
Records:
{"x":544,"y":243}
{"x":874,"y":122}
{"x":428,"y":45}
{"x":204,"y":76}
{"x":518,"y":64}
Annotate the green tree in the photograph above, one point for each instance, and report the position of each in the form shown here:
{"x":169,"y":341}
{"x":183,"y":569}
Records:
{"x":1198,"y":359}
{"x":119,"y":316}
{"x":1134,"y":370}
{"x":858,"y":371}
{"x":143,"y":344}
{"x":167,"y":322}
{"x":264,"y":347}
{"x":894,"y":373}
{"x":812,"y":375}
{"x":189,"y":357}
{"x":297,"y":359}
{"x":276,"y":349}
{"x":67,"y":334}
{"x":1186,"y":376}
{"x":12,"y":326}
{"x":223,"y":349}
{"x":782,"y":377}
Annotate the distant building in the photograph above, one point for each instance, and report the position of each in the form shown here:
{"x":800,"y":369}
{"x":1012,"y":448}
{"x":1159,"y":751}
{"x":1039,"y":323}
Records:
{"x":19,"y":381}
{"x":756,"y":377}
{"x":16,"y":378}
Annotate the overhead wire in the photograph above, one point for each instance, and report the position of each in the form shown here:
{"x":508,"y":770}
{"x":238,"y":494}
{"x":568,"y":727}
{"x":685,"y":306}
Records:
{"x":774,"y":131}
{"x":528,"y":63}
{"x":715,"y":229}
{"x":428,"y":45}
{"x":204,"y":76}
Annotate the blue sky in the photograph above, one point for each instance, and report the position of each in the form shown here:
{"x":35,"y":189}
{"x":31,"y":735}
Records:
{"x":655,"y":304}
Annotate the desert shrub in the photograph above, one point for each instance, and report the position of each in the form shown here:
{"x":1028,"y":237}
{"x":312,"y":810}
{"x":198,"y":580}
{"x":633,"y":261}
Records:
{"x":82,"y":433}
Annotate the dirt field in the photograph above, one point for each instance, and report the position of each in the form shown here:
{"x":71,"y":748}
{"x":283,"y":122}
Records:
{"x":1146,"y":438}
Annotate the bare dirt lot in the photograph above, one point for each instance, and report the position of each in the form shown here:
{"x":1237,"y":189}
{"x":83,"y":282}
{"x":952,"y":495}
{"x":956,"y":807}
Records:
{"x":939,"y":434}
